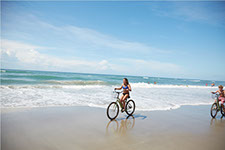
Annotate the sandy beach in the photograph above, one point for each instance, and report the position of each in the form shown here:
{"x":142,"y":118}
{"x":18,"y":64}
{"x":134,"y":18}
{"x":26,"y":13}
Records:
{"x":88,"y":128}
{"x":64,"y":63}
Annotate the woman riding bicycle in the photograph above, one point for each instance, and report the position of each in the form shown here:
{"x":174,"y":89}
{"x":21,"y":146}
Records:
{"x":222,"y":96}
{"x":126,"y":88}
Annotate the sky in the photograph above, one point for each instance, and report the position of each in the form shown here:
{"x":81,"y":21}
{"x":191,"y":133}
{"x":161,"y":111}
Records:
{"x":156,"y":39}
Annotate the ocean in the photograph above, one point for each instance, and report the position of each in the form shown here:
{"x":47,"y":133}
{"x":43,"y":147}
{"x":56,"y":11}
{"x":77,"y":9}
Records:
{"x":24,"y":88}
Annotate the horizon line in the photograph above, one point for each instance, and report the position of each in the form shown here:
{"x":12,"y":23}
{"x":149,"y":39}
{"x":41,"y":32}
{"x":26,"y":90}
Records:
{"x":110,"y":74}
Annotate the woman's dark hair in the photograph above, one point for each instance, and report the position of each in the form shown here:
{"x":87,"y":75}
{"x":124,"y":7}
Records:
{"x":126,"y":80}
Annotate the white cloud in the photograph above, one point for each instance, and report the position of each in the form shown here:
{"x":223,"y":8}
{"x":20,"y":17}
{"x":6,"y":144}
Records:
{"x":20,"y":55}
{"x":71,"y":37}
{"x":97,"y":39}
{"x":27,"y":54}
{"x":152,"y":67}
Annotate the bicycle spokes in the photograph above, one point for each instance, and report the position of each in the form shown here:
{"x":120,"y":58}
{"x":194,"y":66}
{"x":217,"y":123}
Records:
{"x":112,"y":110}
{"x":214,"y":110}
{"x":130,"y":107}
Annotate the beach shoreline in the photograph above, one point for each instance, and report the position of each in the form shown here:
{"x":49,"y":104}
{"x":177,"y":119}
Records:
{"x":80,"y":127}
{"x":23,"y":88}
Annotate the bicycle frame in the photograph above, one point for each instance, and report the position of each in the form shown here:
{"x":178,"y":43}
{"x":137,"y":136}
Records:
{"x":217,"y":102}
{"x":118,"y":100}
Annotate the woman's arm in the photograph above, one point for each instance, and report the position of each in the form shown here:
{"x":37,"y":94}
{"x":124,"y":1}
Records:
{"x":129,"y":87}
{"x":118,"y":88}
{"x":214,"y":92}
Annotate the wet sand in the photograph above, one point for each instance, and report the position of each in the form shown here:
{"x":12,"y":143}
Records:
{"x":86,"y":128}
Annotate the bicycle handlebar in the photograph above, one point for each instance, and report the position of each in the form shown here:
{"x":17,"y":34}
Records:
{"x":215,"y":95}
{"x":118,"y":91}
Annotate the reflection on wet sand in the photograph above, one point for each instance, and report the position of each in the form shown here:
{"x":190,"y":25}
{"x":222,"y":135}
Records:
{"x":120,"y":127}
{"x":215,"y":121}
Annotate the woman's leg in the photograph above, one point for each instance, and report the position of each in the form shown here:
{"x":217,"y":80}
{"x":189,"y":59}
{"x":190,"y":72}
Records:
{"x":222,"y":103}
{"x":124,"y":98}
{"x":222,"y":99}
{"x":121,"y":99}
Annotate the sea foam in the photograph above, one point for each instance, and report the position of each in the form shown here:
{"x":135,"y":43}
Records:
{"x":148,"y":97}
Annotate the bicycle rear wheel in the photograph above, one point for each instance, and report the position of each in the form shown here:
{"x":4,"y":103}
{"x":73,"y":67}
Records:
{"x":214,"y":110}
{"x":130,"y":107}
{"x":112,"y":110}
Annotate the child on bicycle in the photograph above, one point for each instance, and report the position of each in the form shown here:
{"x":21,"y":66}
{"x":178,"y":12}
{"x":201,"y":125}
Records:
{"x":222,"y":95}
{"x":126,"y":88}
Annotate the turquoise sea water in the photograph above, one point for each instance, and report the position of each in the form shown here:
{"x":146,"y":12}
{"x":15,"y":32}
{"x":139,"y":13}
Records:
{"x":21,"y":77}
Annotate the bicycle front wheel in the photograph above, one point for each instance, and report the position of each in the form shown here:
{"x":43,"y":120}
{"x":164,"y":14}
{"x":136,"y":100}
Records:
{"x":112,"y":110}
{"x":214,"y":110}
{"x":130,"y":107}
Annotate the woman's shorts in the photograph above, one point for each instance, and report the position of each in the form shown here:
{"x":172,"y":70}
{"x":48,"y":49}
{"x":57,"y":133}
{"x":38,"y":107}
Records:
{"x":126,"y":94}
{"x":222,"y":99}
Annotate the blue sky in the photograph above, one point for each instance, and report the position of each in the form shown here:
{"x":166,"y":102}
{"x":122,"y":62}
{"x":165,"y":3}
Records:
{"x":166,"y":39}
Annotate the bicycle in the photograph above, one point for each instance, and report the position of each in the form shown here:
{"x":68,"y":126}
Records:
{"x":113,"y":108}
{"x":216,"y":107}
